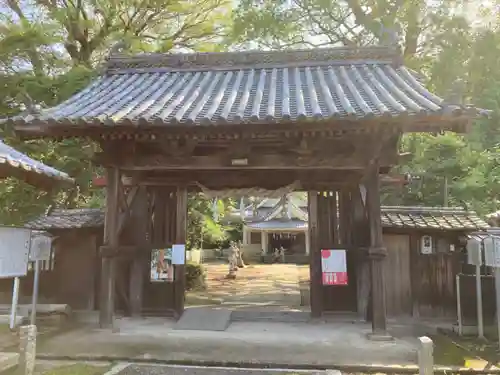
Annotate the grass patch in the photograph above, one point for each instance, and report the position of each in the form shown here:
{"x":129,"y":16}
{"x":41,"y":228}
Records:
{"x":78,"y":369}
{"x":446,"y":353}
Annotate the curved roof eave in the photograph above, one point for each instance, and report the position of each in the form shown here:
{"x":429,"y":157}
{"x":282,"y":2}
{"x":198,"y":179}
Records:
{"x":15,"y":164}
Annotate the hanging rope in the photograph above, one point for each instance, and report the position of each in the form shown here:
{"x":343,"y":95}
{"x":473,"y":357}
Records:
{"x":242,"y":207}
{"x":256,"y":192}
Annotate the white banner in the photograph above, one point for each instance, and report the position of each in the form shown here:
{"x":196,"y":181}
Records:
{"x":14,"y":251}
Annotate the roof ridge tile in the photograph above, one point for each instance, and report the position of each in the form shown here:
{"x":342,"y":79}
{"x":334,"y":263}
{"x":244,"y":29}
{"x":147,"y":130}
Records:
{"x":250,"y":57}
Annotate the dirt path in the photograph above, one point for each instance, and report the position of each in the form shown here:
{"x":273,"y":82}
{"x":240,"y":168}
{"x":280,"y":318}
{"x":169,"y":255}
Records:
{"x":271,"y":284}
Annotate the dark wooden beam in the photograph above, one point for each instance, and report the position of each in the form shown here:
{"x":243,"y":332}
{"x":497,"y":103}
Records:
{"x":97,"y":130}
{"x":252,"y":162}
{"x":234,"y":179}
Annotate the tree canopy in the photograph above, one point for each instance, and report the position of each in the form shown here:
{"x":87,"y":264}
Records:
{"x":50,"y":49}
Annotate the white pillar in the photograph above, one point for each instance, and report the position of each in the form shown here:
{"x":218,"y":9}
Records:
{"x":425,"y":356}
{"x":245,"y":235}
{"x":27,"y":349}
{"x":308,"y":242}
{"x":263,"y":241}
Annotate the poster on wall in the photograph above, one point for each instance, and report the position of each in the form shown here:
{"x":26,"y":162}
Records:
{"x":334,"y":267}
{"x":162,"y":269}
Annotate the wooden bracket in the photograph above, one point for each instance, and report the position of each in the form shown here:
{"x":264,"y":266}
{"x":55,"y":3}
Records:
{"x":377,"y":252}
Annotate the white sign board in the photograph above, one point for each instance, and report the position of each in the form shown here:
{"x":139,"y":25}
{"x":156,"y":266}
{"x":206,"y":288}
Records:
{"x":474,"y":252}
{"x":492,"y":251}
{"x":41,"y":246}
{"x":178,"y":254}
{"x":14,"y":251}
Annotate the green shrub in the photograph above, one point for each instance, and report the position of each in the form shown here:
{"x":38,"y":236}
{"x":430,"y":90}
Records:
{"x":195,"y":276}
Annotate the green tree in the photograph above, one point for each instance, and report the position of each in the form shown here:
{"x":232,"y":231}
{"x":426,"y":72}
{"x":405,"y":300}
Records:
{"x":442,"y":40}
{"x":49,"y":50}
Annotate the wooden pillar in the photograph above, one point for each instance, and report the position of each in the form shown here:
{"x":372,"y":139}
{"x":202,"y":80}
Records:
{"x":108,"y":268}
{"x":264,"y":242}
{"x":360,"y":238}
{"x":180,"y":238}
{"x":315,"y":259}
{"x":377,"y":254}
{"x":139,"y":263}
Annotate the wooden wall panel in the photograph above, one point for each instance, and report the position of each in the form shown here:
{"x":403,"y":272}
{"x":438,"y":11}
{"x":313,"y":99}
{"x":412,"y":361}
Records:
{"x":437,"y":284}
{"x":397,"y":275}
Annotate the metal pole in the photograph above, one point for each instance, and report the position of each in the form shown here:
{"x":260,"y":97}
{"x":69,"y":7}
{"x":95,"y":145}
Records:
{"x":497,"y":289}
{"x":459,"y":307}
{"x":479,"y":301}
{"x":15,"y":299}
{"x":34,"y":301}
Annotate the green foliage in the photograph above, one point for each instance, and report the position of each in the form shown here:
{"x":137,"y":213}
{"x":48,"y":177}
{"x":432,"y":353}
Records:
{"x":444,"y":41}
{"x":203,"y":230}
{"x":195,"y":276}
{"x":49,"y":51}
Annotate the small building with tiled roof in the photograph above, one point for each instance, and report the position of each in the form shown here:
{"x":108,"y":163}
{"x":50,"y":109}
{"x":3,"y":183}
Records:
{"x":64,"y":219}
{"x":73,"y":277}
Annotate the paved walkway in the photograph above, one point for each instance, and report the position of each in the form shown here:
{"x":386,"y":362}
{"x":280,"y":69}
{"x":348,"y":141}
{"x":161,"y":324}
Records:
{"x":135,"y":369}
{"x":299,"y":344}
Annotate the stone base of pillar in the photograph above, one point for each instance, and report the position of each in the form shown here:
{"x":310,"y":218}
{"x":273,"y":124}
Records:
{"x":380,"y":337}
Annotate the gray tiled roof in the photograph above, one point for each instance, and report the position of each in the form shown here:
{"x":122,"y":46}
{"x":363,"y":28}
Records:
{"x":243,"y":87}
{"x":69,"y":219}
{"x":431,"y":218}
{"x":15,"y":163}
{"x":392,"y":217}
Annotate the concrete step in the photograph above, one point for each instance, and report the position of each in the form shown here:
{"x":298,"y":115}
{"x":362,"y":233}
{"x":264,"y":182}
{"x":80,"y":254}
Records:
{"x":270,"y":316}
{"x":8,"y":361}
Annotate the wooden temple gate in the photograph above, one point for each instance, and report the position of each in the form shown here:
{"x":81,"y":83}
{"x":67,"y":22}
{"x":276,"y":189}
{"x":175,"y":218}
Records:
{"x":327,"y":120}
